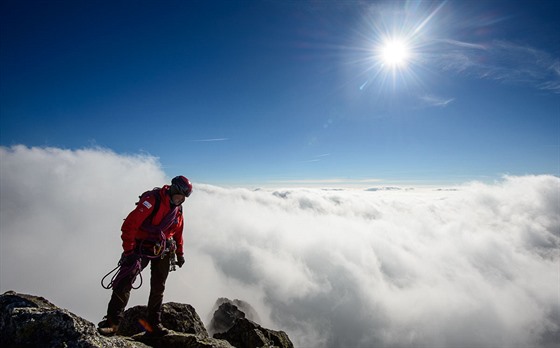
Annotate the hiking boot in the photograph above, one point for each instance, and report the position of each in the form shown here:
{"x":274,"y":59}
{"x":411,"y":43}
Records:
{"x":107,"y":328}
{"x":157,"y":330}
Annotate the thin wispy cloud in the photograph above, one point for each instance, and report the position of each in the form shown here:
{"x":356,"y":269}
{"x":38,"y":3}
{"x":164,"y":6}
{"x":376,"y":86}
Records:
{"x":316,"y":158}
{"x":436,"y":101}
{"x":502,"y":61}
{"x":210,"y":140}
{"x":468,"y":45}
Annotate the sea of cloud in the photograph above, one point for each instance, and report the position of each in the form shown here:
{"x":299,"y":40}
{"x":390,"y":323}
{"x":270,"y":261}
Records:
{"x":475,"y":266}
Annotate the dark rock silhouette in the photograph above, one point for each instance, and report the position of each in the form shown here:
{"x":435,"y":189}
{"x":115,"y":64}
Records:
{"x":226,"y":311}
{"x":28,"y":321}
{"x":224,"y":318}
{"x":234,"y":321}
{"x":246,"y":333}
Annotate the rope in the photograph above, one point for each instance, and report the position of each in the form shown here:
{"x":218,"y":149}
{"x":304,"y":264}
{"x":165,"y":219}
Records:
{"x":123,"y":271}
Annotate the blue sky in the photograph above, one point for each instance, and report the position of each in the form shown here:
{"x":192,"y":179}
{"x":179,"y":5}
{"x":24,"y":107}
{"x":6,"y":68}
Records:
{"x":289,"y":92}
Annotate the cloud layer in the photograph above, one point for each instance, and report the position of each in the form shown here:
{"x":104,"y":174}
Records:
{"x":476,"y":267}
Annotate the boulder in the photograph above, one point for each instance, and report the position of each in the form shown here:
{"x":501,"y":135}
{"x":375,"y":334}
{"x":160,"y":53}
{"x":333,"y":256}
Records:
{"x":235,"y":322}
{"x":248,"y":334}
{"x":175,"y":316}
{"x":226,"y":311}
{"x":28,"y":321}
{"x":224,"y":318}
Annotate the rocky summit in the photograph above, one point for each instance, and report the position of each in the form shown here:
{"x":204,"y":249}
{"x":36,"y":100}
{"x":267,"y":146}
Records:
{"x":246,"y":333}
{"x":234,"y":321}
{"x":226,"y":312}
{"x":28,"y":321}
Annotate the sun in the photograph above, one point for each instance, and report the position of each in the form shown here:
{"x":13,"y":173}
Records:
{"x":394,"y":53}
{"x":396,"y":44}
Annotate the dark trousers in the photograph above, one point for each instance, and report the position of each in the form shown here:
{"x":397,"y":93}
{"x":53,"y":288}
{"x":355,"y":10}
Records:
{"x":121,"y":292}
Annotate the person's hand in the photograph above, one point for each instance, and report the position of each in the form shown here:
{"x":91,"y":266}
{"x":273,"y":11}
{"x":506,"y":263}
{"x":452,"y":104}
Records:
{"x":128,"y":258}
{"x":180,"y":260}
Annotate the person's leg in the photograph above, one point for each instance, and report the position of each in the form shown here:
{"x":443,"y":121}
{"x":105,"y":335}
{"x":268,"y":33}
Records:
{"x":159,"y":273}
{"x":119,"y":299}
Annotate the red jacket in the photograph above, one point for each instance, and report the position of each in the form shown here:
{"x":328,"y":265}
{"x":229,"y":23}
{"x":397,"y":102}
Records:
{"x":131,"y":228}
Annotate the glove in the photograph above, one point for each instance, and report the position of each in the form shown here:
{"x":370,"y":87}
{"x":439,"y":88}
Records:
{"x":128,"y":258}
{"x":180,"y":260}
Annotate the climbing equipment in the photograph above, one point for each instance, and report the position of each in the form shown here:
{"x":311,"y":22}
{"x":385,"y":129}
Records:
{"x":124,"y":269}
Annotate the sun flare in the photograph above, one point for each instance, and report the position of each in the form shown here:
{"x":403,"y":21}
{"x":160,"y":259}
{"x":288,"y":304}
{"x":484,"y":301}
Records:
{"x":394,"y":53}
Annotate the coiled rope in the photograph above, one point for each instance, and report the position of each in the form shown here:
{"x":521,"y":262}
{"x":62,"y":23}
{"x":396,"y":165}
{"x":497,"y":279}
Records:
{"x":124,"y":270}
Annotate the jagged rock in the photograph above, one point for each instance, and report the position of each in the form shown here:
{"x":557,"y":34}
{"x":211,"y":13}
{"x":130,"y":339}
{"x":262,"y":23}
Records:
{"x":248,"y":334}
{"x":226,"y":312}
{"x":224,"y":318}
{"x":28,"y":321}
{"x":234,"y":321}
{"x":31,"y":321}
{"x":175,"y":316}
{"x":176,"y":340}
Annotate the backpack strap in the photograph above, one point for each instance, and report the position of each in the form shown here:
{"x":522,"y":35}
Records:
{"x":155,"y":192}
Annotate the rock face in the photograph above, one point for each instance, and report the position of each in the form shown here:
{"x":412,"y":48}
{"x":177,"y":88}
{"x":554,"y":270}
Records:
{"x":176,"y":316}
{"x":224,"y":318}
{"x":234,"y":321}
{"x":246,"y":333}
{"x":226,"y":311}
{"x":28,"y":321}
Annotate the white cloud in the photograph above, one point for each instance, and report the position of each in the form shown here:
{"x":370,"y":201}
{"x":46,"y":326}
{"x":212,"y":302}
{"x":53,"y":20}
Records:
{"x":477,"y":266}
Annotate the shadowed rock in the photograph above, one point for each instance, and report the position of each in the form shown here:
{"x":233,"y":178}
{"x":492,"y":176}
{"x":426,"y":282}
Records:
{"x":226,"y":311}
{"x":178,"y":317}
{"x":28,"y":321}
{"x":177,"y":340}
{"x":234,"y":321}
{"x":246,"y":333}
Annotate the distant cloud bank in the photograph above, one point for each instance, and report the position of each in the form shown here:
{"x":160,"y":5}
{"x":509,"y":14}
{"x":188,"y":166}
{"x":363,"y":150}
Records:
{"x":470,"y":267}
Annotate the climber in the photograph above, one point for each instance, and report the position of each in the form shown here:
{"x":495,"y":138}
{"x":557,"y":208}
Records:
{"x":152,"y":232}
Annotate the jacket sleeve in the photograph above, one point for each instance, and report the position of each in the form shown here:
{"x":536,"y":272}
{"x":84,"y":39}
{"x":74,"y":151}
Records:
{"x":178,"y":236}
{"x":133,"y":221}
